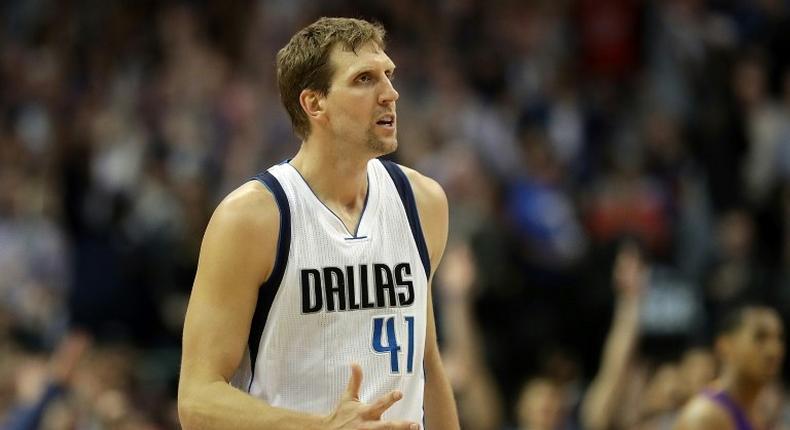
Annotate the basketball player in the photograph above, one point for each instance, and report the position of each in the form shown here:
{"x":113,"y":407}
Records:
{"x":318,"y":272}
{"x":751,"y":345}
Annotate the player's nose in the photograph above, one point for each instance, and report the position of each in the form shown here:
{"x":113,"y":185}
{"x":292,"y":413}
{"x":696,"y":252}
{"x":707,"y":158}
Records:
{"x":388,"y":94}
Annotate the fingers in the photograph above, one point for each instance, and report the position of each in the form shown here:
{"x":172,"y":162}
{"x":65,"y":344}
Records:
{"x":383,"y":403}
{"x":630,"y":270}
{"x":374,"y":411}
{"x":354,"y":383}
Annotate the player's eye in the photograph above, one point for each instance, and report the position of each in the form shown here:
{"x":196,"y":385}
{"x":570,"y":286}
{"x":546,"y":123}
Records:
{"x":364,"y":78}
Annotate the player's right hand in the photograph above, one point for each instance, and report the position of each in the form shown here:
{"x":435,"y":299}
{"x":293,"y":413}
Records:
{"x":352,"y":414}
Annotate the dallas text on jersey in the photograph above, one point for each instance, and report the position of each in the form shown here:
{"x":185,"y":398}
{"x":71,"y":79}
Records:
{"x":333,"y":289}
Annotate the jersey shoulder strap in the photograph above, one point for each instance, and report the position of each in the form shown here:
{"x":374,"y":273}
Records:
{"x":407,"y":198}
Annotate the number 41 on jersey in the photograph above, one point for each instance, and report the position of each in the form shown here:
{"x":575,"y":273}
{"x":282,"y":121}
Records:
{"x":386,"y":341}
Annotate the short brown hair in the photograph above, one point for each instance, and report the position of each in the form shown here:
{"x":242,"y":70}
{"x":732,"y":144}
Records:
{"x":304,"y":62}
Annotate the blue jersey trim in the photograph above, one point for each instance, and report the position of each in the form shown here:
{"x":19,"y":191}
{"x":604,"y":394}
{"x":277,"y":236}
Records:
{"x":268,"y":291}
{"x":407,"y":197}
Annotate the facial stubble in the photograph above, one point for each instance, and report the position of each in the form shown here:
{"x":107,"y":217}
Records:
{"x":377,"y":146}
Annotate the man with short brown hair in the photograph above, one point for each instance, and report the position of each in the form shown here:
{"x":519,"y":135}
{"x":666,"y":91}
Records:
{"x":319,"y":270}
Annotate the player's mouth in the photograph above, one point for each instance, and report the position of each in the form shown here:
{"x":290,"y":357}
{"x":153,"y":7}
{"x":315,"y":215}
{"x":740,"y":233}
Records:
{"x":386,"y":121}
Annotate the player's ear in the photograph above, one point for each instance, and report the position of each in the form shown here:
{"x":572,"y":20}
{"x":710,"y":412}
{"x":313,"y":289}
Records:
{"x":312,"y":102}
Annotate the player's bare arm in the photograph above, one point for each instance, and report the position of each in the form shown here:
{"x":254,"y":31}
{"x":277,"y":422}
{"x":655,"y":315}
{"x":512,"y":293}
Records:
{"x":440,"y":409}
{"x":702,"y":414}
{"x":237,"y":256}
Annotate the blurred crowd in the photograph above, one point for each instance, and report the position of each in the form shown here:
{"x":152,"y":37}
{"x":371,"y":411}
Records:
{"x":618,"y":174}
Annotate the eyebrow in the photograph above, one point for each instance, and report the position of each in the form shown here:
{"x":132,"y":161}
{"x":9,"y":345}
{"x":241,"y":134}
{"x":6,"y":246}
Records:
{"x":368,"y":68}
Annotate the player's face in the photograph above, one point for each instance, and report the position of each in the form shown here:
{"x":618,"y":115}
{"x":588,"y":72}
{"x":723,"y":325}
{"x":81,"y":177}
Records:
{"x":758,"y":347}
{"x":360,"y":105}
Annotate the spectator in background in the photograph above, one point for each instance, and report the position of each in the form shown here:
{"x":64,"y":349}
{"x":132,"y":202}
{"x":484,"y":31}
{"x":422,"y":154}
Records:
{"x":783,"y":146}
{"x":626,"y":393}
{"x":33,"y":255}
{"x":736,"y":273}
{"x":605,"y":401}
{"x":37,"y":395}
{"x":627,"y":201}
{"x":543,"y":405}
{"x":762,"y":120}
{"x":479,"y":402}
{"x":541,"y":210}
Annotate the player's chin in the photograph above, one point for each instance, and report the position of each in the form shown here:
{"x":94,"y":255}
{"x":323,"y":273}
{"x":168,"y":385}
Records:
{"x":391,"y":145}
{"x":384,"y":146}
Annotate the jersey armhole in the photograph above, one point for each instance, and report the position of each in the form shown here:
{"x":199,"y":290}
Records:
{"x":268,"y":290}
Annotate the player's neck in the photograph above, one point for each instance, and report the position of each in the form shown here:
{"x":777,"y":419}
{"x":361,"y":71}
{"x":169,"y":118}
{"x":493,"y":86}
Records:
{"x":335,"y":178}
{"x":742,"y":389}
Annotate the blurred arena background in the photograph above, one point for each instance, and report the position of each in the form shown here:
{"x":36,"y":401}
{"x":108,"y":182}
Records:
{"x":566,"y":134}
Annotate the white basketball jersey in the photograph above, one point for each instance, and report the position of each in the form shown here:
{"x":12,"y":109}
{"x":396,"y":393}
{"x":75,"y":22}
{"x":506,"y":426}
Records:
{"x":337,"y":297}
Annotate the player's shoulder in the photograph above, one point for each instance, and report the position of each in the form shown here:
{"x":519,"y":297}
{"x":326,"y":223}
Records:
{"x":250,"y":211}
{"x":426,"y":190}
{"x":433,"y":211}
{"x":702,"y":413}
